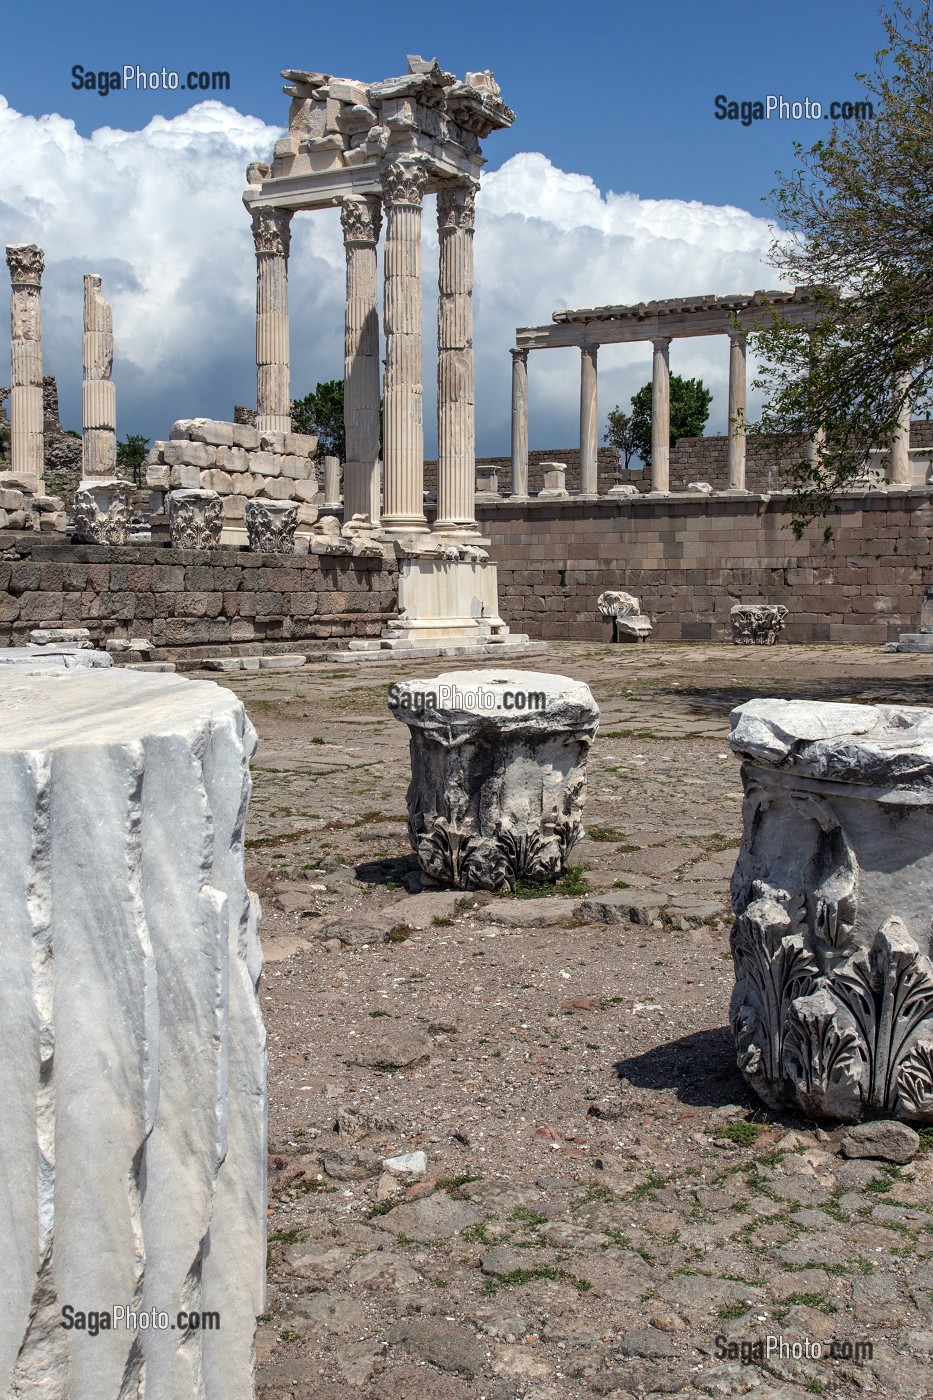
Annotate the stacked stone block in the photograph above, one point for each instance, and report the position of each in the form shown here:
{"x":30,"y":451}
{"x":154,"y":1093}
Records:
{"x":240,"y":463}
{"x":25,"y":506}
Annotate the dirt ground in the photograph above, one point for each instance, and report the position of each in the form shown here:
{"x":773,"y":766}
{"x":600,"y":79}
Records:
{"x":604,"y":1209}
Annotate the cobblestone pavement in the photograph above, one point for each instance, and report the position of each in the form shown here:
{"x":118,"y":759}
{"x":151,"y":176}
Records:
{"x":603,"y":1210}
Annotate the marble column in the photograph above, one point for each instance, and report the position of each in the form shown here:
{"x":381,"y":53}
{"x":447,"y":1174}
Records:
{"x":519,"y":423}
{"x":661,"y":415}
{"x":403,"y":185}
{"x":898,"y":456}
{"x":272,"y":235}
{"x":98,"y":393}
{"x":737,"y":402}
{"x":361,"y":219}
{"x":589,"y":421}
{"x":26,"y":263}
{"x":456,"y":424}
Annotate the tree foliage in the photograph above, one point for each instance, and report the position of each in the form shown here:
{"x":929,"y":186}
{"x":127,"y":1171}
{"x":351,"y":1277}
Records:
{"x":631,"y":433}
{"x":131,"y":455}
{"x":858,"y":227}
{"x":321,"y":413}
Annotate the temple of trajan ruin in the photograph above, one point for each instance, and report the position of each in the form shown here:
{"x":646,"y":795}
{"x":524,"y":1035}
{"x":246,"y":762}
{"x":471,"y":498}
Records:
{"x":402,"y":556}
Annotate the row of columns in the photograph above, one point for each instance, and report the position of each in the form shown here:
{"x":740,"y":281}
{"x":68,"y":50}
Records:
{"x":403,"y":186}
{"x":660,"y":417}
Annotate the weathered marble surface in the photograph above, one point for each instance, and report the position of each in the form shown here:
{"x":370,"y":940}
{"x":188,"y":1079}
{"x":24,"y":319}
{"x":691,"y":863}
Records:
{"x":833,"y":1005}
{"x":52,"y":656}
{"x":270,"y":526}
{"x":102,"y":511}
{"x":133,"y":1097}
{"x":195,"y":519}
{"x":498,"y":780}
{"x":757,"y":624}
{"x":624,"y":610}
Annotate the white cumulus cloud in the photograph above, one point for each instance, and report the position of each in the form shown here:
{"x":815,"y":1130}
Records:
{"x":158,"y":213}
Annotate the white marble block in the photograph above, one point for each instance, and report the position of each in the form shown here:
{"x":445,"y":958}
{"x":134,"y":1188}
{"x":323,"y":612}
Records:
{"x":133,"y":1092}
{"x":498,"y":773}
{"x":624,"y":611}
{"x":757,"y":624}
{"x":833,"y":1006}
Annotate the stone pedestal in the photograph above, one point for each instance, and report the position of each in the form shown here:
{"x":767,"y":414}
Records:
{"x":102,"y":511}
{"x":272,"y":238}
{"x":195,"y":519}
{"x":98,"y":393}
{"x":757,"y":624}
{"x":360,"y":220}
{"x":403,"y":185}
{"x":133,"y":1094}
{"x":833,"y":1005}
{"x":554,"y":475}
{"x":624,"y":610}
{"x":456,"y":446}
{"x":26,"y":263}
{"x":498,"y":762}
{"x":487,"y":482}
{"x":270,"y":526}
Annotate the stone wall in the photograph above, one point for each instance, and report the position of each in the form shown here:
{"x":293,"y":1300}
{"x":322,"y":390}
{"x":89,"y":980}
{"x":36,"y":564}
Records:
{"x":689,"y":558}
{"x":187,"y":599}
{"x":239,"y":463}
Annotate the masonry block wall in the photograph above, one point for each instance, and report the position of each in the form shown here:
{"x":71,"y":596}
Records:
{"x":185,"y":599}
{"x":690,"y":558}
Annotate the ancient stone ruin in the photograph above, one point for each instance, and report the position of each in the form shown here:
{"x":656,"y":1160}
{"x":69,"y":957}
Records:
{"x":833,"y":1004}
{"x":757,"y":624}
{"x":498,"y":773}
{"x":624,"y":611}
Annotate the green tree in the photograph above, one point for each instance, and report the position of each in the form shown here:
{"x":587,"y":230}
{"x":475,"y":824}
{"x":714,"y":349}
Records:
{"x":321,"y":413}
{"x":131,"y":454}
{"x":620,"y":435}
{"x":858,"y":228}
{"x":690,"y":401}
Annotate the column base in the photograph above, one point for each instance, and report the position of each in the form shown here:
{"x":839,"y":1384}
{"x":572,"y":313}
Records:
{"x":274,"y":423}
{"x":457,"y":529}
{"x":404,"y":525}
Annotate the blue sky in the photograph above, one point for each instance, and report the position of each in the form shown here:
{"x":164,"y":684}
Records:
{"x":622,"y":91}
{"x":616,"y":183}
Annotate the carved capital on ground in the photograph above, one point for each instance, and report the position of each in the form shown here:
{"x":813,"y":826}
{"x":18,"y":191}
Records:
{"x":361,"y":219}
{"x":26,"y":262}
{"x":456,"y":207}
{"x":404,"y":182}
{"x":272,"y":230}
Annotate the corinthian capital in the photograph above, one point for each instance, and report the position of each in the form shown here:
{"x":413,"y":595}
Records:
{"x":404,"y":181}
{"x":26,"y":263}
{"x":361,"y":219}
{"x":456,"y":207}
{"x":272,"y":230}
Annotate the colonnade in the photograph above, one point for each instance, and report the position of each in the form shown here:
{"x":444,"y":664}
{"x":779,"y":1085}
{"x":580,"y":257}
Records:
{"x":403,"y":184}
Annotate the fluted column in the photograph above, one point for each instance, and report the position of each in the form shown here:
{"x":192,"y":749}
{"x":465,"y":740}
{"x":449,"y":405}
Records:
{"x":589,"y":421}
{"x":403,"y":184}
{"x":361,"y":219}
{"x":272,"y":235}
{"x":737,"y":398}
{"x":98,"y":393}
{"x":456,"y":423}
{"x":519,"y":423}
{"x":661,"y":415}
{"x":26,"y":263}
{"x":899,"y":455}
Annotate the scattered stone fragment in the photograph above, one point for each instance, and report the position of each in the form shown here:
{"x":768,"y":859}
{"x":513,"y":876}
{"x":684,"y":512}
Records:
{"x":448,"y":1345}
{"x":395,"y":1048}
{"x":436,"y":1217}
{"x":886,"y":1141}
{"x":407,"y":1164}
